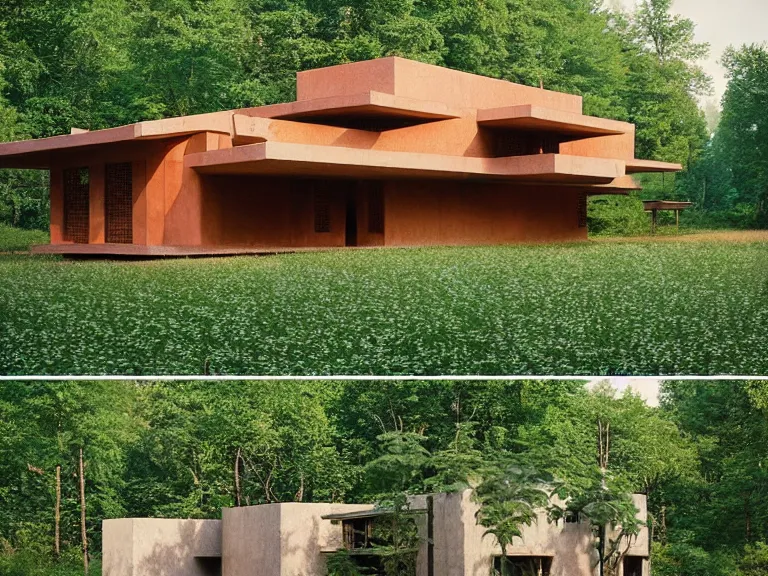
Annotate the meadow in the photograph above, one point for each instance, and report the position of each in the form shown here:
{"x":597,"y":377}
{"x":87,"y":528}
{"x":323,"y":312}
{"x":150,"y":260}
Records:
{"x":601,"y":307}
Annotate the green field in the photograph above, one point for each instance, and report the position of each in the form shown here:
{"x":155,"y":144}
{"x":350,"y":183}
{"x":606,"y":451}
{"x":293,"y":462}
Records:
{"x":618,"y":307}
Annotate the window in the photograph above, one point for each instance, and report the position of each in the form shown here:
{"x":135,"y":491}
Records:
{"x":357,"y":533}
{"x":322,"y":211}
{"x":523,"y":565}
{"x":582,"y":209}
{"x":76,"y":205}
{"x":633,"y":566}
{"x":375,"y":208}
{"x":118,"y":200}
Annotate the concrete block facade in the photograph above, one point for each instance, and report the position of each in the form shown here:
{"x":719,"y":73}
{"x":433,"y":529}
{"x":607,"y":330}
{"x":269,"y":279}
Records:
{"x":293,"y":539}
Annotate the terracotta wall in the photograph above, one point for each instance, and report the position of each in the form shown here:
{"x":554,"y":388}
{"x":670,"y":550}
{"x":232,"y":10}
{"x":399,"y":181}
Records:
{"x":454,"y":213}
{"x":276,"y":212}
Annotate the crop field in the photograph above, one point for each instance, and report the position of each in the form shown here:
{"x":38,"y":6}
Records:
{"x":635,"y":307}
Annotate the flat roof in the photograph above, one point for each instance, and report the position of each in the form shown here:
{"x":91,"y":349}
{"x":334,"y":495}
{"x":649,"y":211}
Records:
{"x":373,"y":513}
{"x":33,"y":153}
{"x":539,"y":118}
{"x":665,"y":205}
{"x":284,"y":159}
{"x":637,"y":166}
{"x":372,"y":103}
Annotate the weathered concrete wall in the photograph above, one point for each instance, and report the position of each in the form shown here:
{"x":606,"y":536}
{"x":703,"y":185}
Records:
{"x":160,"y":547}
{"x":280,"y":539}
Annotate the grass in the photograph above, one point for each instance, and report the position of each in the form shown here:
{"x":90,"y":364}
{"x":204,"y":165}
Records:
{"x":621,"y":307}
{"x":19,"y":240}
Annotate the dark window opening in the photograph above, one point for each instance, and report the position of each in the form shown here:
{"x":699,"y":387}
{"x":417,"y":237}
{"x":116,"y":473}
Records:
{"x":350,"y":228}
{"x":118,"y":200}
{"x":523,"y":565}
{"x":633,"y":566}
{"x":582,"y":210}
{"x":322,"y":211}
{"x":76,"y":205}
{"x":519,"y":143}
{"x":572,"y":517}
{"x":376,"y":208}
{"x":358,"y":533}
{"x":210,"y":566}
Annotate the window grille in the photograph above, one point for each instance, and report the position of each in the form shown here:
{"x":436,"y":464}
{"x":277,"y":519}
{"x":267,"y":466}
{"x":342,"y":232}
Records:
{"x":76,"y":205}
{"x":118,"y":196}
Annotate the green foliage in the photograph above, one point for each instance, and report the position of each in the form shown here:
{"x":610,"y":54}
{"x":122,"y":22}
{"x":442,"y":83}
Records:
{"x":341,"y":564}
{"x":683,"y":559}
{"x":29,"y":563}
{"x":18,"y":239}
{"x":510,"y":495}
{"x":596,"y":308}
{"x":616,"y":216}
{"x":755,"y":560}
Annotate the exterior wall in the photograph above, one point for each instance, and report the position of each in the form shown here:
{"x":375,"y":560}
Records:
{"x":160,"y":547}
{"x":455,"y":213}
{"x":420,"y":81}
{"x":280,"y":539}
{"x":462,"y":549}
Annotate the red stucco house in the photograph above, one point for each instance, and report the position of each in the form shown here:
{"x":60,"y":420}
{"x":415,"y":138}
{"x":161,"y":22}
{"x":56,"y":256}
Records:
{"x":386,"y":152}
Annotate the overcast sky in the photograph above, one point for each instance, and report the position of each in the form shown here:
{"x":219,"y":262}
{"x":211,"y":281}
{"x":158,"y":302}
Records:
{"x":723,"y":23}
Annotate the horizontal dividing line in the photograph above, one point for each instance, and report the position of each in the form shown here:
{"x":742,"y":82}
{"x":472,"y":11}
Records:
{"x":371,"y":378}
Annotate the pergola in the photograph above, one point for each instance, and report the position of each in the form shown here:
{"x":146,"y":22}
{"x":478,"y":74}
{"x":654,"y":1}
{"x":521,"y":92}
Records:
{"x":653,"y":206}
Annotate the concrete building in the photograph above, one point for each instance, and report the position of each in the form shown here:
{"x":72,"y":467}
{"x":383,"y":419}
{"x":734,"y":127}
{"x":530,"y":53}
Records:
{"x":293,"y":539}
{"x":386,"y":152}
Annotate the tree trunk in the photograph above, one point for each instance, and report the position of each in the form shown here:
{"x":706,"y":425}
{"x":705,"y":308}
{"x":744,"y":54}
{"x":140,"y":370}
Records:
{"x":83,"y":533}
{"x":57,"y":514}
{"x":237,"y":477}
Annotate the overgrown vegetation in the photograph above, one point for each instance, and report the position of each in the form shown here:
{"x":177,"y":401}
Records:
{"x":19,"y":240}
{"x":597,"y":308}
{"x":187,"y":449}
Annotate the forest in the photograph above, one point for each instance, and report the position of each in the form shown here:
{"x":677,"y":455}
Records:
{"x":188,"y":449}
{"x":101,"y":63}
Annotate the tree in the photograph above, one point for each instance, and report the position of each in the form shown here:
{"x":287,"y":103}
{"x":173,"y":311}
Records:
{"x":742,"y":138}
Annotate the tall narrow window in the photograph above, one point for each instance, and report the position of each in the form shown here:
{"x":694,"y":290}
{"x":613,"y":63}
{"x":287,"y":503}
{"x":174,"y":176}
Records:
{"x":76,"y":205}
{"x":375,"y":208}
{"x":322,"y":211}
{"x":118,"y":198}
{"x":582,"y":210}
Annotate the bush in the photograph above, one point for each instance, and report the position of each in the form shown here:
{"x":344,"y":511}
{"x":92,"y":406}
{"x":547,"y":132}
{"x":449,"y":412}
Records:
{"x":755,"y":560}
{"x":617,"y":216}
{"x":688,"y":560}
{"x":16,"y":239}
{"x":31,"y":563}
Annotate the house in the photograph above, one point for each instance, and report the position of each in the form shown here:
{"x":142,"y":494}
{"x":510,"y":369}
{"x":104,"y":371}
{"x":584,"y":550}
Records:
{"x":296,"y":539}
{"x":386,"y":152}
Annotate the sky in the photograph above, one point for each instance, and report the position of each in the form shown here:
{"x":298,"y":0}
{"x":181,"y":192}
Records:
{"x":647,"y":388}
{"x":723,"y":23}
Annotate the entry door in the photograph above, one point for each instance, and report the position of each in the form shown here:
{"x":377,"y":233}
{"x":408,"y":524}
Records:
{"x":118,"y":198}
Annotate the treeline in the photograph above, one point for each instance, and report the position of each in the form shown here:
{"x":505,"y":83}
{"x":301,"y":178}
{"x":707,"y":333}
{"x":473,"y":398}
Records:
{"x":188,"y":449}
{"x":101,"y":63}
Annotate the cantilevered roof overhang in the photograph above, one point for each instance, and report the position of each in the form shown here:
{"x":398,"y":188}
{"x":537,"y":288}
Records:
{"x":366,"y":104}
{"x":38,"y":153}
{"x":637,"y":166}
{"x":284,"y":159}
{"x":539,"y":119}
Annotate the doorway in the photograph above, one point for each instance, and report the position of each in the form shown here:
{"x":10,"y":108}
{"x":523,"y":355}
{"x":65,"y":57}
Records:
{"x":350,"y":228}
